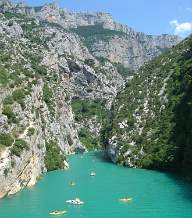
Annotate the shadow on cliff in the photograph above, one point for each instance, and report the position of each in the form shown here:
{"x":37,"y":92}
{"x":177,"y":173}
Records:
{"x":182,"y":133}
{"x":101,"y":156}
{"x":181,"y":136}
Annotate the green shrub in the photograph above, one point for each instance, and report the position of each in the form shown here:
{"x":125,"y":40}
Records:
{"x":5,"y":57}
{"x":18,"y":95}
{"x":6,"y":139}
{"x":88,"y":139}
{"x":28,"y":73}
{"x":102,"y":60}
{"x":7,"y":110}
{"x":89,"y":62}
{"x":2,"y":147}
{"x":15,"y":79}
{"x":13,"y":163}
{"x":89,"y":108}
{"x":6,"y":171}
{"x":54,"y":158}
{"x":39,"y":69}
{"x":18,"y":147}
{"x":16,"y":151}
{"x":48,"y":98}
{"x":8,"y":100}
{"x":4,"y":77}
{"x":21,"y":143}
{"x":31,"y":131}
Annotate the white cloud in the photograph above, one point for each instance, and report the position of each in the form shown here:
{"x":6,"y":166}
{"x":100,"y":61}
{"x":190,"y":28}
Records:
{"x":189,"y":9}
{"x":181,"y":28}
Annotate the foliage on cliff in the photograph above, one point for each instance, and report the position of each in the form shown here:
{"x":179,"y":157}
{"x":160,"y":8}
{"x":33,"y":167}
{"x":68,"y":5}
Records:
{"x":151,"y":126}
{"x":91,"y":115}
{"x":54,"y":158}
{"x":93,"y":33}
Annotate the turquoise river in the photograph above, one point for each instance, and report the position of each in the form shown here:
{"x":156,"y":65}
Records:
{"x":154,"y":194}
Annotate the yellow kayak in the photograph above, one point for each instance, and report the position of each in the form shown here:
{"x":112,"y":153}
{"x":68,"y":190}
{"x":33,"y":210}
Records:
{"x":57,"y":212}
{"x":125,"y":199}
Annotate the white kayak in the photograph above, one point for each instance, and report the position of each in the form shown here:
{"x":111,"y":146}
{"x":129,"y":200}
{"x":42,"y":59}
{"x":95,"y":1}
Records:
{"x":76,"y":201}
{"x":92,"y":174}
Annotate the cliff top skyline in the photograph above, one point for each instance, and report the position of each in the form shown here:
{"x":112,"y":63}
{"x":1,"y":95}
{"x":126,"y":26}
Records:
{"x":170,"y":17}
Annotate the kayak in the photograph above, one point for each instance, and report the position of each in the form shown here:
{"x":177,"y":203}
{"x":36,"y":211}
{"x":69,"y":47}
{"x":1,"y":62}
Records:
{"x":92,"y":174}
{"x":72,"y":184}
{"x":125,"y":199}
{"x":57,"y":212}
{"x":76,"y":201}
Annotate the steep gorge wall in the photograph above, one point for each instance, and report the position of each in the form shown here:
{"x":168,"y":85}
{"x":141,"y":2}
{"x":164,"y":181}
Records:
{"x":151,"y":120}
{"x":42,"y":68}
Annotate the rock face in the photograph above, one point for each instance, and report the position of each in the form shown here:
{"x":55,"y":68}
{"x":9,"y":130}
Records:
{"x":132,"y":49}
{"x":49,"y":71}
{"x":42,"y":68}
{"x":151,"y":124}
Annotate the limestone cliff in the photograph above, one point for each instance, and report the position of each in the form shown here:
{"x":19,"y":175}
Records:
{"x":120,"y":45}
{"x":43,"y":67}
{"x":125,"y":45}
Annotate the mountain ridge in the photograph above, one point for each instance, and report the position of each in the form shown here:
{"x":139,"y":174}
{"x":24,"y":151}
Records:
{"x":132,"y":49}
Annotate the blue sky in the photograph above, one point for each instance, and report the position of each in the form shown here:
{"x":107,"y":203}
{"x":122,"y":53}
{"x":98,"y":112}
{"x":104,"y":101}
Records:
{"x":149,"y":16}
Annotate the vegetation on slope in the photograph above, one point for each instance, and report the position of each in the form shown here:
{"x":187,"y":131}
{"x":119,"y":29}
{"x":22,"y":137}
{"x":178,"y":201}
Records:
{"x":18,"y":147}
{"x":88,"y":139}
{"x":85,"y":108}
{"x":90,"y":112}
{"x":152,"y":116}
{"x":54,"y":158}
{"x":94,"y":33}
{"x":123,"y":71}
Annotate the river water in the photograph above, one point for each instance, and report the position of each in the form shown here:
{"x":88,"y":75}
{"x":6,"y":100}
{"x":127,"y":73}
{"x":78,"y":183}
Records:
{"x":154,"y":194}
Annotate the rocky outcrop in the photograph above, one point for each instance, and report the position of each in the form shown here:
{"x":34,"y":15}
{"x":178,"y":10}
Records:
{"x":18,"y":171}
{"x":9,"y":6}
{"x":67,"y":55}
{"x":133,"y":50}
